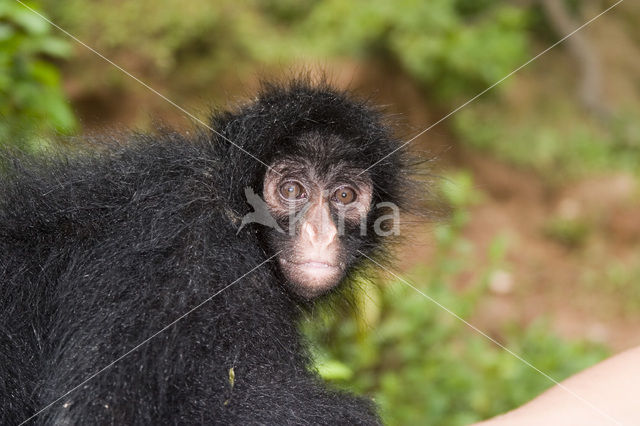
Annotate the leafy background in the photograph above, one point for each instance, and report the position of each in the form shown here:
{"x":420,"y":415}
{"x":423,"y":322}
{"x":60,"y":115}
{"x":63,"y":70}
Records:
{"x":541,"y":246}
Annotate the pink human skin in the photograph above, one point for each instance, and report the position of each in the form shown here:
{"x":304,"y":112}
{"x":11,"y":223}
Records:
{"x":611,"y":389}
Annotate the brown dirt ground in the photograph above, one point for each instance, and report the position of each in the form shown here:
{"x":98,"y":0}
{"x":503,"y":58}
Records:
{"x":547,"y":276}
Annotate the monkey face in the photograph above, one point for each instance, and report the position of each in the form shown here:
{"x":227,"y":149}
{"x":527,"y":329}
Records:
{"x":321,"y":212}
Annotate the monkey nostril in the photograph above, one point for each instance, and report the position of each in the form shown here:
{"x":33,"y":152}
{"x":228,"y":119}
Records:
{"x":309,"y":231}
{"x":321,"y":237}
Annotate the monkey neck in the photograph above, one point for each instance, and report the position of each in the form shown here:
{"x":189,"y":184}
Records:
{"x":260,"y":314}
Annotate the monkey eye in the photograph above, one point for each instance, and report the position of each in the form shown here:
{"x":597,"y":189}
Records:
{"x":345,"y":195}
{"x":292,"y":191}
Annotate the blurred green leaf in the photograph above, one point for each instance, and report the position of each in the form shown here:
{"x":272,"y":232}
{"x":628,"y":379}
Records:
{"x":334,"y":370}
{"x":32,"y":104}
{"x":30,"y":22}
{"x":54,"y":47}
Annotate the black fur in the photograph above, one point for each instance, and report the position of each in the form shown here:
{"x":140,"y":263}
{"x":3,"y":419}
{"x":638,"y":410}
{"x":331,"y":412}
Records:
{"x":99,"y":251}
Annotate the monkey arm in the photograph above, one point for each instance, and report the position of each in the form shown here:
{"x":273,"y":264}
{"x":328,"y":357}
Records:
{"x":184,"y":373}
{"x":115,"y":293}
{"x":288,"y":394}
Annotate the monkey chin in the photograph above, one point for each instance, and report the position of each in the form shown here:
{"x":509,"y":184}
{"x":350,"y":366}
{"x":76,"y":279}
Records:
{"x":311,"y":279}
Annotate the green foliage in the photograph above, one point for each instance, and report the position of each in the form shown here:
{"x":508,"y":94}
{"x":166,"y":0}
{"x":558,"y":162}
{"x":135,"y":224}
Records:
{"x":207,"y":37}
{"x":424,"y":366}
{"x":433,"y":41}
{"x":615,"y":280}
{"x":453,"y":48}
{"x":31,"y":100}
{"x":287,"y":12}
{"x":473,"y":8}
{"x":556,"y":143}
{"x":572,"y":233}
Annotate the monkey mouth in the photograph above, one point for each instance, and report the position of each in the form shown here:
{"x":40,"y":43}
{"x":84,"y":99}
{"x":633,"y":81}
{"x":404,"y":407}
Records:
{"x":311,"y":278}
{"x":319,"y":274}
{"x":317,"y":266}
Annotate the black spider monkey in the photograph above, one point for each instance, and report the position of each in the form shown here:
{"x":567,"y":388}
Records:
{"x":132,"y":254}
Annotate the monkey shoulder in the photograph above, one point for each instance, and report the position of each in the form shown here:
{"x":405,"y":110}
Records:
{"x":147,"y":203}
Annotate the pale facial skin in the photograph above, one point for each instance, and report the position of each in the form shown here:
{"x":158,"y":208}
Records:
{"x":323,"y":210}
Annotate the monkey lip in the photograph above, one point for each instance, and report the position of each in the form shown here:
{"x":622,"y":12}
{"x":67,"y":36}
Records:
{"x":314,"y":265}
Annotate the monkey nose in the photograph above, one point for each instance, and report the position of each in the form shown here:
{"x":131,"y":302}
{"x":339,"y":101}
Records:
{"x":318,"y":229}
{"x":319,"y":234}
